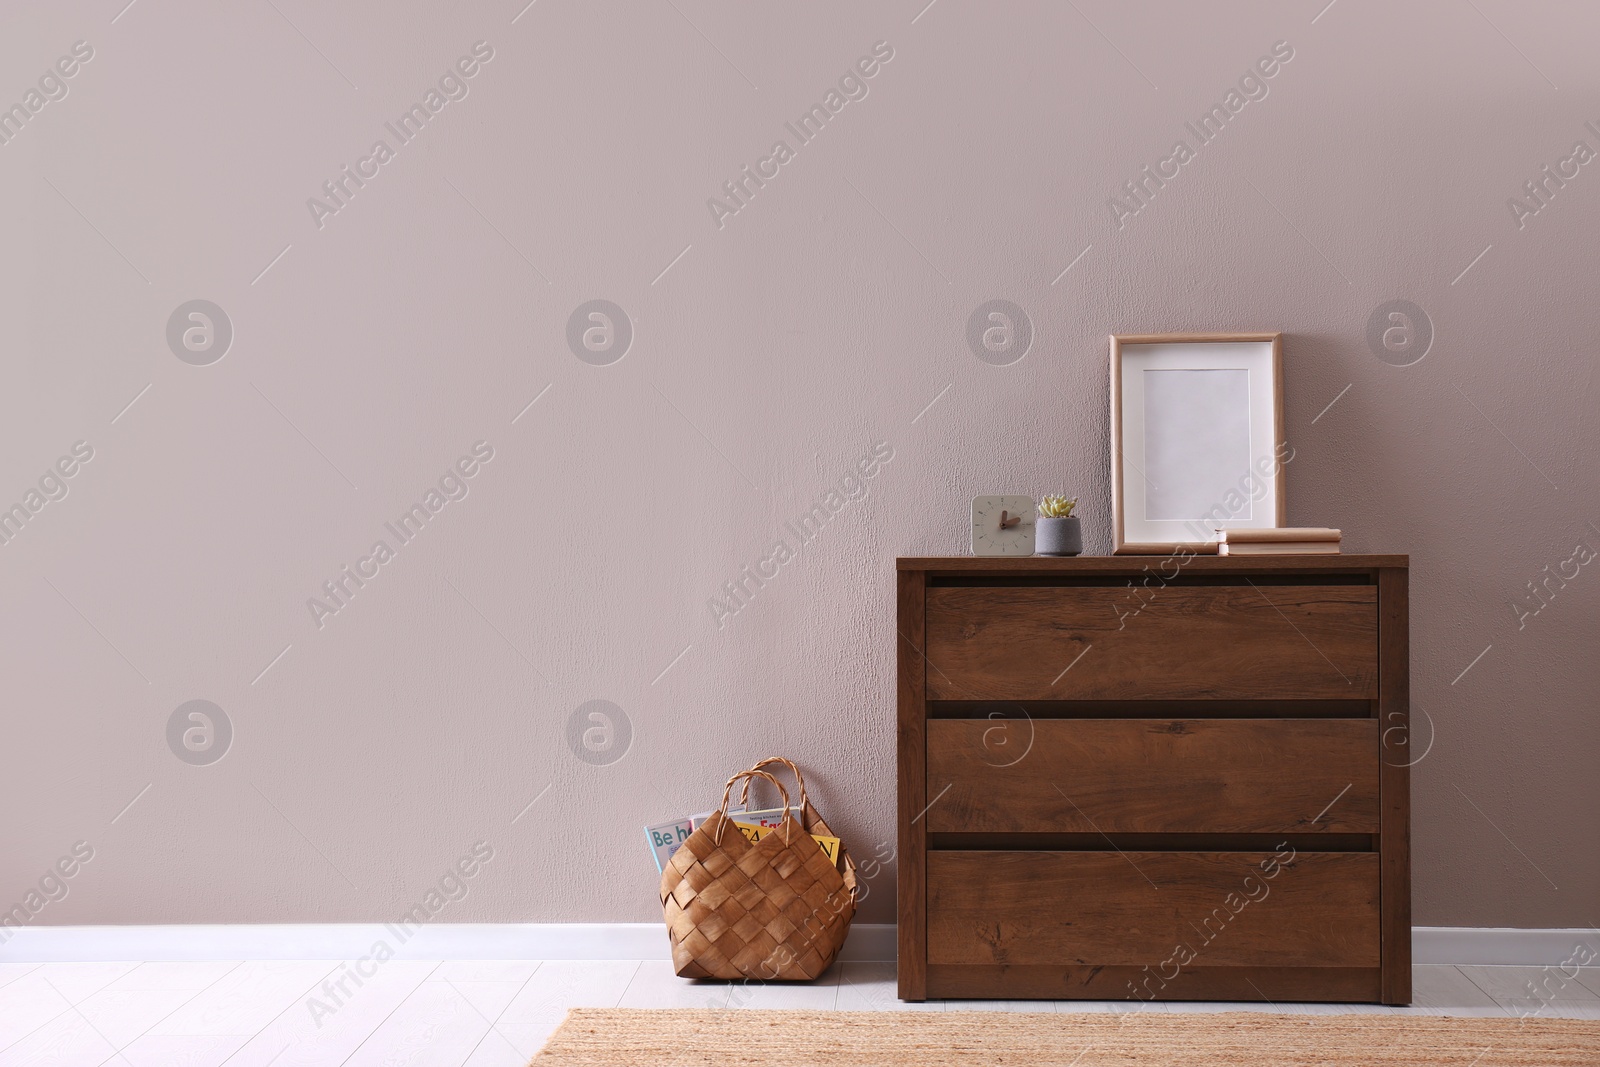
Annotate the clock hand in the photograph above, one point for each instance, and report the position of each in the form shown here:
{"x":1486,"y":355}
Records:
{"x":1006,"y":524}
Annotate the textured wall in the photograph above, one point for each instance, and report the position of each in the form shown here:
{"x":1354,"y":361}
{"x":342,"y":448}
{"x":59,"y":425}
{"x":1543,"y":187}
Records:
{"x":380,"y":336}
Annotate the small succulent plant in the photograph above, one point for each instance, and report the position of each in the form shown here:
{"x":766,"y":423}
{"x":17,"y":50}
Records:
{"x":1057,"y":507}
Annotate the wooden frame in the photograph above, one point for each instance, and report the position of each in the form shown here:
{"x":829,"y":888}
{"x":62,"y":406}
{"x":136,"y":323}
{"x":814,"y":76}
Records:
{"x":1121,"y":544}
{"x":911,"y":746}
{"x":1394,"y":718}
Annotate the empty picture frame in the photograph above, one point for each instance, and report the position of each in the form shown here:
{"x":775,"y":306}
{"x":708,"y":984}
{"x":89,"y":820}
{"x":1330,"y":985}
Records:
{"x":1196,"y":438}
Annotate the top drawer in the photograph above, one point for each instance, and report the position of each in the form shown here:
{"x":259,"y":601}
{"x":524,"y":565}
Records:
{"x":1237,"y":642}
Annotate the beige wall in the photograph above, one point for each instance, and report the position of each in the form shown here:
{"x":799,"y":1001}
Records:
{"x":772,"y":348}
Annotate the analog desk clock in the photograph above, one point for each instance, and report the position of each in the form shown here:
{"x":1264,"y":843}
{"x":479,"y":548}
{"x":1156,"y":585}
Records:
{"x":1002,"y":525}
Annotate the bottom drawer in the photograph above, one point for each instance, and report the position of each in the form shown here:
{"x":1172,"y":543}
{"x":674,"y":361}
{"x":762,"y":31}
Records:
{"x":1165,"y":910}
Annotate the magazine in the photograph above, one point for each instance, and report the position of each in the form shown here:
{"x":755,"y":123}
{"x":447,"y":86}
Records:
{"x":754,"y":833}
{"x":665,"y":837}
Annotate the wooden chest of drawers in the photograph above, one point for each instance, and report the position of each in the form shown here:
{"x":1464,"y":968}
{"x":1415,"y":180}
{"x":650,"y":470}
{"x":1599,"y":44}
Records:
{"x":1148,"y":778}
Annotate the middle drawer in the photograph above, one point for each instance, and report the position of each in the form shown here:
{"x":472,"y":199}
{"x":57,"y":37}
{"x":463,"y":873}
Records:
{"x":1153,"y":775}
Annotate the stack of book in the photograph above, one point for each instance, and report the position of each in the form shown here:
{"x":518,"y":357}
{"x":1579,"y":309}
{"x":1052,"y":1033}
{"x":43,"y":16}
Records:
{"x":1289,"y":541}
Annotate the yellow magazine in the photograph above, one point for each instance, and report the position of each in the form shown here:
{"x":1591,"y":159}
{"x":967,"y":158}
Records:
{"x":754,"y":833}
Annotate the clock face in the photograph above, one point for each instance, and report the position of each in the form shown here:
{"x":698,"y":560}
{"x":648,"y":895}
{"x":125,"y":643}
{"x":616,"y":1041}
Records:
{"x":1002,"y":525}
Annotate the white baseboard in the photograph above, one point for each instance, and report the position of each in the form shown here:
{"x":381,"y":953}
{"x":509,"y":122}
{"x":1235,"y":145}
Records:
{"x":602,"y":941}
{"x":1485,"y":946}
{"x":342,"y":941}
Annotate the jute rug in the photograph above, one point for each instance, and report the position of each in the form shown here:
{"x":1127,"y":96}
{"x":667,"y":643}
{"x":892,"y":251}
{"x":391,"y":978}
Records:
{"x":612,"y":1037}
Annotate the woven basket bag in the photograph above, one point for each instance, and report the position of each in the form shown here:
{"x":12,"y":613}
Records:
{"x":775,"y":910}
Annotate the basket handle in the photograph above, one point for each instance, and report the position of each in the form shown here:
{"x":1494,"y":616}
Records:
{"x":728,"y":790}
{"x":798,"y":777}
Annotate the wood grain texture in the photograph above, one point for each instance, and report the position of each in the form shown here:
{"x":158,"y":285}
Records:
{"x":1140,"y":909}
{"x":1151,"y":709}
{"x":1246,"y":704}
{"x":1154,"y":775}
{"x":1244,"y":984}
{"x":1216,"y":642}
{"x":1115,"y":841}
{"x":1397,"y":755}
{"x":1123,"y":567}
{"x":911,"y":794}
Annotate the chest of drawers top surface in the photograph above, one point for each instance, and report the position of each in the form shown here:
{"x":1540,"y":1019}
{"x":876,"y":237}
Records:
{"x":1178,"y":563}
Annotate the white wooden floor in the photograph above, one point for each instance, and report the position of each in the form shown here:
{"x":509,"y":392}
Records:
{"x":496,"y":1014}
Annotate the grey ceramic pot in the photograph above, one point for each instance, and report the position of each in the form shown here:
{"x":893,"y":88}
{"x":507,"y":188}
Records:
{"x":1057,"y":537}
